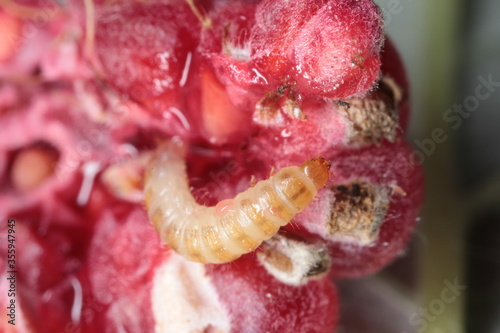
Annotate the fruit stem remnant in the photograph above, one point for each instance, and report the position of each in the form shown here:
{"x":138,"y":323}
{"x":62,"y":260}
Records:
{"x":206,"y":22}
{"x":89,"y":28}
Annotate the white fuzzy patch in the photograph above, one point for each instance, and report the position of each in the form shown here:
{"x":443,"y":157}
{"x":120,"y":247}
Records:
{"x":184,"y":299}
{"x":294,"y":262}
{"x":239,"y":53}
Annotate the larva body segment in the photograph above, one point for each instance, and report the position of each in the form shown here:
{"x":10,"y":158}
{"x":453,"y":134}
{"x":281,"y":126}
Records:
{"x":233,"y":227}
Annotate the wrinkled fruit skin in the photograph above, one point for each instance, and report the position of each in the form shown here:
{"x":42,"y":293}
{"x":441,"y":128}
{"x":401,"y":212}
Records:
{"x":250,"y":87}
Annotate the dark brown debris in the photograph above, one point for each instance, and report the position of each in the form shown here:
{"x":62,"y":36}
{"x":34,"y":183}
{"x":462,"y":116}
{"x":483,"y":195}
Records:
{"x":294,"y":261}
{"x":358,"y":211}
{"x":374,"y":116}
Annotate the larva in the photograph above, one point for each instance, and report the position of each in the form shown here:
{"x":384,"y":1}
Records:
{"x":233,"y":227}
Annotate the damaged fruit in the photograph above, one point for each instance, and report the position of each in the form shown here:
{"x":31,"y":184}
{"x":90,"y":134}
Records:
{"x":263,"y":139}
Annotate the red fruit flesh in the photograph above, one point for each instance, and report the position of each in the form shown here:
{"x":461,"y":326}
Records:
{"x":221,"y":118}
{"x":337,"y":51}
{"x":331,"y":47}
{"x":145,"y":50}
{"x":274,"y":55}
{"x":291,"y":140}
{"x":281,"y":308}
{"x":47,"y":260}
{"x":119,"y":270}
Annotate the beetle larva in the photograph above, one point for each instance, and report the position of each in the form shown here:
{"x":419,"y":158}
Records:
{"x":233,"y":227}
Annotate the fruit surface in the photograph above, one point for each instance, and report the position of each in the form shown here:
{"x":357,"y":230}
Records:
{"x":89,"y":91}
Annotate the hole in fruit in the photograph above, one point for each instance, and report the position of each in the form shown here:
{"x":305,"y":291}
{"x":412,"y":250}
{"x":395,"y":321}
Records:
{"x":267,"y":111}
{"x":293,"y":261}
{"x":319,"y":267}
{"x":32,"y":165}
{"x":271,"y":108}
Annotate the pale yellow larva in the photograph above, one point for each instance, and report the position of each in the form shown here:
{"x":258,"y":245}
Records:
{"x":233,"y":227}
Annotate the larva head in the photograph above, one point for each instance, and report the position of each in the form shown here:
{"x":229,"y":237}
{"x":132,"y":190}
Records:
{"x":318,"y":170}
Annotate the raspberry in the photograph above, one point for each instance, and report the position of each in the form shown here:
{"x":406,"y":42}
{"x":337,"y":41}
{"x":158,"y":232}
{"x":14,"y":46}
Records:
{"x":247,"y":87}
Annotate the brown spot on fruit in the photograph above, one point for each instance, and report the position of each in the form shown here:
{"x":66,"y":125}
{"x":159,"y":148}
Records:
{"x":293,"y":110}
{"x":32,"y":165}
{"x":267,"y":111}
{"x":374,"y":116}
{"x":277,"y":259}
{"x":358,"y":60}
{"x":358,"y":211}
{"x":344,"y":104}
{"x":293,"y":261}
{"x":271,"y":108}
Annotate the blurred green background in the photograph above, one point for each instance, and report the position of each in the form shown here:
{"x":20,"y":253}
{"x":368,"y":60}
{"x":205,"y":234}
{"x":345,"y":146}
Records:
{"x":449,"y":279}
